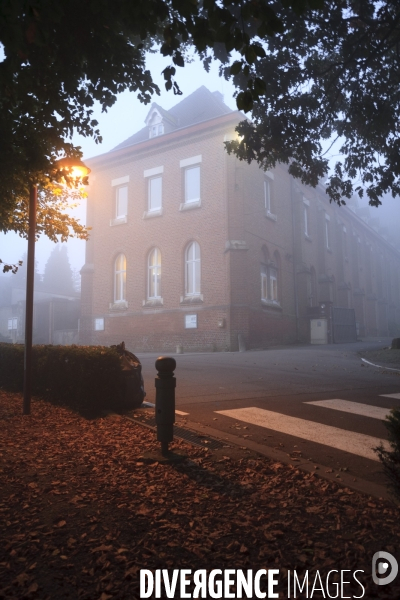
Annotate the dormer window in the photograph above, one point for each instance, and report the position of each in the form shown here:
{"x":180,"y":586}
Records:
{"x":156,"y":130}
{"x":154,"y":121}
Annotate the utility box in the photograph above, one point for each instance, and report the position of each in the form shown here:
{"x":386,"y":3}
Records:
{"x":319,"y":331}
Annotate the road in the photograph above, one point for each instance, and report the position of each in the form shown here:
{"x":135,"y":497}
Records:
{"x":268,"y":397}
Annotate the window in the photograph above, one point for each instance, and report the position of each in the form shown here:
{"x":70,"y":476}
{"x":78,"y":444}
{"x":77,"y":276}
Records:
{"x":154,"y":274}
{"x":269,"y":280}
{"x":154,"y":193}
{"x":99,"y":324}
{"x":120,"y":279}
{"x":121,"y":205}
{"x":192,"y":184}
{"x":156,"y":130}
{"x":273,"y":284}
{"x":267,"y":195}
{"x":306,"y":232}
{"x":192,"y":270}
{"x":269,"y":284}
{"x":327,"y":232}
{"x":12,"y":323}
{"x":120,"y":200}
{"x":264,"y":282}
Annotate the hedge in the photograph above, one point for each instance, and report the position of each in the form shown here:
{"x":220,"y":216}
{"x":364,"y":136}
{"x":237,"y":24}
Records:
{"x":87,"y":378}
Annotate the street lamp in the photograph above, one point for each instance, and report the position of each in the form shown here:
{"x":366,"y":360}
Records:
{"x":76,"y":169}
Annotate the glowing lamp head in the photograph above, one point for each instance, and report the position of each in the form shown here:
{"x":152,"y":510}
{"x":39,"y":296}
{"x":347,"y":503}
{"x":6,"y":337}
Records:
{"x":77,"y":168}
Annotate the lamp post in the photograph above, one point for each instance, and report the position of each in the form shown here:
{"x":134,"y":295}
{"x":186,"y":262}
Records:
{"x":77,"y":169}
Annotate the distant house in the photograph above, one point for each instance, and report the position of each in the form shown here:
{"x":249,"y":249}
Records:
{"x":55,"y":316}
{"x":191,"y":247}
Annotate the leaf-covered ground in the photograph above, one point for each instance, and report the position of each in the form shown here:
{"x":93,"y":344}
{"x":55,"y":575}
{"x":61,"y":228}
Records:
{"x":81,"y":512}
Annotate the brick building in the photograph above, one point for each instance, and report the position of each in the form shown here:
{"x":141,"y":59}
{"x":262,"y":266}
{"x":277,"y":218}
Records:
{"x":191,"y":247}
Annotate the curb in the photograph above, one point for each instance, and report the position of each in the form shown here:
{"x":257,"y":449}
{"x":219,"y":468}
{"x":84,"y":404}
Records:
{"x":346,"y":480}
{"x":379,"y":366}
{"x":359,"y":485}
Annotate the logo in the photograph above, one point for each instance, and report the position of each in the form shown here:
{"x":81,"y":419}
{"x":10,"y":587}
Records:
{"x":385,"y":564}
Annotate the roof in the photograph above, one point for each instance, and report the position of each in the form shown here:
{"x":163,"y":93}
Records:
{"x":202,"y":105}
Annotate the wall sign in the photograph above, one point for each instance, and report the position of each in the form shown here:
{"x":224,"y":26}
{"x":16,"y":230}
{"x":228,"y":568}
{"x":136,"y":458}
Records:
{"x":190,"y":321}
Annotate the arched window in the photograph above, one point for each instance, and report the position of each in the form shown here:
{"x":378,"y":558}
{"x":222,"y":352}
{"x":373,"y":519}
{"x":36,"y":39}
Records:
{"x":154,"y":274}
{"x":275,"y":274}
{"x":192,"y":269}
{"x":120,"y":278}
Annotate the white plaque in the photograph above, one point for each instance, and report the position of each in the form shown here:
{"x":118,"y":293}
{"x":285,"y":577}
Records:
{"x":190,"y":321}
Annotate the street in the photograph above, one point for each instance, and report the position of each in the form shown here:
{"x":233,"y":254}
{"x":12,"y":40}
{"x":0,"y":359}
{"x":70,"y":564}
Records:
{"x":321,"y":404}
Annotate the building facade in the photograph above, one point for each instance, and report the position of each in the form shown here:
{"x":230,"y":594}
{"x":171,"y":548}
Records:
{"x":192,"y":249}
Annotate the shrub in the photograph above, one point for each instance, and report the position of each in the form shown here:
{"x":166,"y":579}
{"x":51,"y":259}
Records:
{"x":87,"y":378}
{"x":391,"y":459}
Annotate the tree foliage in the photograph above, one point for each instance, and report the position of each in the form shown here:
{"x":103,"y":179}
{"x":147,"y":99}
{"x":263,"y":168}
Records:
{"x":60,"y":57}
{"x":335,"y":73}
{"x":307,"y":69}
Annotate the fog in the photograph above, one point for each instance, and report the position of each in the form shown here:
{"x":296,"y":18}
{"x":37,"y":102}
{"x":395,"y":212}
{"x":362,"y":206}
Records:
{"x":122,"y":120}
{"x":125,"y":118}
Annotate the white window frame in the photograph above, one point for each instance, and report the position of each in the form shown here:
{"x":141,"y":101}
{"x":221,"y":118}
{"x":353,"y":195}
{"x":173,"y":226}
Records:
{"x":188,"y":164}
{"x":267,"y":195}
{"x":120,"y":280}
{"x":154,"y":275}
{"x":121,"y":212}
{"x":327,"y":232}
{"x":149,"y":174}
{"x":118,"y":184}
{"x":156,"y":129}
{"x":188,"y":170}
{"x":193,"y":270}
{"x":150,"y":208}
{"x":269,"y":284}
{"x":12,"y":323}
{"x":273,"y":284}
{"x":264,"y":282}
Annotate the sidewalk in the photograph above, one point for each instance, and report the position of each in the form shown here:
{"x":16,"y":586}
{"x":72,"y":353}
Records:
{"x":82,"y":512}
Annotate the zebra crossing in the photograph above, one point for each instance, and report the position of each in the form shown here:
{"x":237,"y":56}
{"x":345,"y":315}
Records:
{"x":327,"y":435}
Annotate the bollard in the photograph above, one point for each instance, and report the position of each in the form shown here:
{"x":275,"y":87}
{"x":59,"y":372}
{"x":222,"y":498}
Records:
{"x":165,"y":383}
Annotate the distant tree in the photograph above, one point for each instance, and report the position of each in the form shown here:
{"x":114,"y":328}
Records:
{"x":76,"y":276}
{"x":19,"y":279}
{"x":58,"y":276}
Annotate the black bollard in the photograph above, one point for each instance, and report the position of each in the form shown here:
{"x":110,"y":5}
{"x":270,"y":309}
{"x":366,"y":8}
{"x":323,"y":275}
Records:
{"x":165,"y":383}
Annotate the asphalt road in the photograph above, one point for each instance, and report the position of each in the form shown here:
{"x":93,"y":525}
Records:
{"x":264,"y":396}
